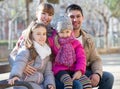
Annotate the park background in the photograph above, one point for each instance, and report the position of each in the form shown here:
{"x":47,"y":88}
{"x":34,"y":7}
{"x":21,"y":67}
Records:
{"x":102,"y":21}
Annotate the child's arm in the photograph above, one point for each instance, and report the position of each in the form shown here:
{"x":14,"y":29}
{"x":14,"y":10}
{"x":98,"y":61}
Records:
{"x":49,"y":77}
{"x":12,"y":80}
{"x":14,"y":52}
{"x":20,"y":63}
{"x":50,"y":86}
{"x":80,"y":64}
{"x":77,"y":75}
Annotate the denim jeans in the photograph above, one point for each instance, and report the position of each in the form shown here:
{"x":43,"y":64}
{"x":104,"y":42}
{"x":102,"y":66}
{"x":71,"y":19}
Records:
{"x":76,"y":84}
{"x":106,"y":81}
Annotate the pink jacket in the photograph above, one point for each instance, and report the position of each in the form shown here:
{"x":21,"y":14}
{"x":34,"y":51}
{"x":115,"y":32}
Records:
{"x":80,"y":63}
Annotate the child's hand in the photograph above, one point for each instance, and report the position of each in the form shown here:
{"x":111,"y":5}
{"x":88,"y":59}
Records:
{"x":77,"y":75}
{"x":50,"y":86}
{"x":11,"y":81}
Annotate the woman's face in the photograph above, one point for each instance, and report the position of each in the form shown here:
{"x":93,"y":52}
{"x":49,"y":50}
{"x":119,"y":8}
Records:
{"x":39,"y":35}
{"x":44,"y":17}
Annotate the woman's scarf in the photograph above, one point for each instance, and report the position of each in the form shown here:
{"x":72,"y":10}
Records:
{"x":66,"y":53}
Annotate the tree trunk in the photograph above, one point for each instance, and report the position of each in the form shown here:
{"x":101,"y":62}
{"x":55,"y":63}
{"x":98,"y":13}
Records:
{"x":106,"y":22}
{"x":27,"y":12}
{"x":41,"y":1}
{"x":106,"y":31}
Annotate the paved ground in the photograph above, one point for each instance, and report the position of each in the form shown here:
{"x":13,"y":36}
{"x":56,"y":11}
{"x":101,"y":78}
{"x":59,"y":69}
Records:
{"x":111,"y":63}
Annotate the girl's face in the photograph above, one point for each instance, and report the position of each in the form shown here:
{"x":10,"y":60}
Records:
{"x":39,"y":35}
{"x":44,"y":17}
{"x":65,"y":33}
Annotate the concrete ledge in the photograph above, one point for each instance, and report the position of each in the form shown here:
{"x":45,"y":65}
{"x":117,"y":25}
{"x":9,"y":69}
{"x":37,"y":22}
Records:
{"x":5,"y":67}
{"x":109,"y":50}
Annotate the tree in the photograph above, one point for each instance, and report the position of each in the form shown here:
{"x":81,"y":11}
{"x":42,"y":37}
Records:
{"x":53,"y":1}
{"x":114,"y":6}
{"x":27,"y":10}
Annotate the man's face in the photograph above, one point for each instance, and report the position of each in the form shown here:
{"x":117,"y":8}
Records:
{"x":76,"y":18}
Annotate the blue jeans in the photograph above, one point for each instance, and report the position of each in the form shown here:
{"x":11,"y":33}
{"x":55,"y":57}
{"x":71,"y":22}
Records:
{"x":106,"y":81}
{"x":76,"y":84}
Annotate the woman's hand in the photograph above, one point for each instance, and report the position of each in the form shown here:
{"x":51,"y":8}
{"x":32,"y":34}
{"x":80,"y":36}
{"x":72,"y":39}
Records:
{"x":77,"y":75}
{"x":50,"y":86}
{"x":12,"y":81}
{"x":29,"y":70}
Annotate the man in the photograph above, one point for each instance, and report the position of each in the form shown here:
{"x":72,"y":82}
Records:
{"x":104,"y":80}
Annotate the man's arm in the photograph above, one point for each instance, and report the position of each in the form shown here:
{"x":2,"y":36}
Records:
{"x":95,"y":59}
{"x":95,"y":63}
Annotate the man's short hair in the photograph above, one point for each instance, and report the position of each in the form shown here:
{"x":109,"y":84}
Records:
{"x":74,"y":7}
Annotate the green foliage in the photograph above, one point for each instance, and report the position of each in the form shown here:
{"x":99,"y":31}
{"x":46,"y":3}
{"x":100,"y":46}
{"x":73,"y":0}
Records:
{"x":53,"y":1}
{"x":13,"y":13}
{"x":5,"y":42}
{"x":114,"y":6}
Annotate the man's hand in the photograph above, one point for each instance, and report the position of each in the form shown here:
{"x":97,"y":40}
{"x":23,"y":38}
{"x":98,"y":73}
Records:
{"x":77,"y":75}
{"x":29,"y":70}
{"x":95,"y":78}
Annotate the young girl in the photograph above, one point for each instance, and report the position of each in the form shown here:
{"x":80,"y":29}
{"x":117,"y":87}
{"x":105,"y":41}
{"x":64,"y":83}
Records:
{"x":36,"y":51}
{"x":70,"y":60}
